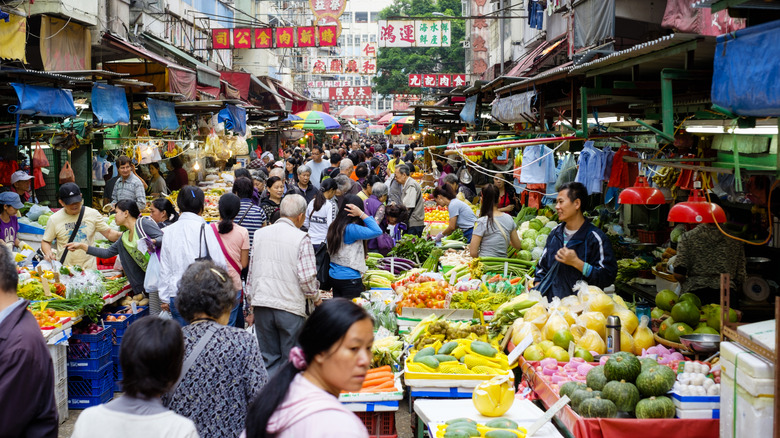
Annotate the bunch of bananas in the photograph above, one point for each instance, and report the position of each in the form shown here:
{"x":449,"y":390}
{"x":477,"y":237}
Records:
{"x":666,"y":177}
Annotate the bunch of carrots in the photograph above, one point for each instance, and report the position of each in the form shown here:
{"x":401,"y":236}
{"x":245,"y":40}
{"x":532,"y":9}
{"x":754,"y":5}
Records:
{"x":379,"y":380}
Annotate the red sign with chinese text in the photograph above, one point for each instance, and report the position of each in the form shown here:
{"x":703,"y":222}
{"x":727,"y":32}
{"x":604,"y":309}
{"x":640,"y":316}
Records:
{"x":305,"y":36}
{"x":264,"y":38}
{"x":342,"y":94}
{"x":284,"y":37}
{"x":220,"y":38}
{"x":241,"y":39}
{"x":327,"y":35}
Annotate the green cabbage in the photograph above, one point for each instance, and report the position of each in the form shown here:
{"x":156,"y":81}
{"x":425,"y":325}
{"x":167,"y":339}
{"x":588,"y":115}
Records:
{"x":545,"y":231}
{"x":530,"y":234}
{"x":525,"y":255}
{"x":535,"y":224}
{"x":43,"y":219}
{"x":677,"y":232}
{"x":528,"y":244}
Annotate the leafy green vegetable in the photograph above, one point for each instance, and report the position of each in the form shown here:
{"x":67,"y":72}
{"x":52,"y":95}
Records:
{"x":413,"y":248}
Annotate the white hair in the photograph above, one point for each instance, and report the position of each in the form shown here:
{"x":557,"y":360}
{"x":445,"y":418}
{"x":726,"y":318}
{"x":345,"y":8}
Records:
{"x":292,"y":206}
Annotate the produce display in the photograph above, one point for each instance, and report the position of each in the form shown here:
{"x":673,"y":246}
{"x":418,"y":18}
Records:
{"x":437,"y":214}
{"x":461,"y":356}
{"x":494,"y":397}
{"x":414,"y":248}
{"x":466,"y":427}
{"x":533,"y":226}
{"x":379,"y":379}
{"x":685,"y":315}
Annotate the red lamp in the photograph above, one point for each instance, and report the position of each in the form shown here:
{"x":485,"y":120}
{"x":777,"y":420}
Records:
{"x":696,"y":210}
{"x":641,"y":194}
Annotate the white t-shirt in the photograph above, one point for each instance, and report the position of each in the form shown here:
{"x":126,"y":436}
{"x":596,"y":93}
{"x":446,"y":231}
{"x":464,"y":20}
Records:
{"x":60,"y":227}
{"x":318,"y":222}
{"x":100,"y":421}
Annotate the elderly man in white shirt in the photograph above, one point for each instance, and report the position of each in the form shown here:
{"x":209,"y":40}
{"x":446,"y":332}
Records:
{"x":185,"y":240}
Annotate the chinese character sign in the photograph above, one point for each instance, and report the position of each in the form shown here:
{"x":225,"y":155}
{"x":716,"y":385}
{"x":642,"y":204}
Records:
{"x":348,"y":94}
{"x":415,"y":80}
{"x":479,"y":36}
{"x":241,"y":39}
{"x":368,"y":67}
{"x":442,"y":80}
{"x":336,"y":66}
{"x":305,"y":36}
{"x":319,"y":66}
{"x":263,"y":37}
{"x":328,"y":11}
{"x":430,"y":81}
{"x":284,"y":37}
{"x":220,"y":38}
{"x":458,"y":80}
{"x":327,"y":36}
{"x":411,"y":33}
{"x":369,"y":50}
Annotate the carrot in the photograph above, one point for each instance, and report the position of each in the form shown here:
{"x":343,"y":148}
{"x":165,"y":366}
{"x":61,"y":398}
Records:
{"x":377,"y":380}
{"x":385,"y":368}
{"x":494,"y":279}
{"x":386,"y":385}
{"x":515,"y":280}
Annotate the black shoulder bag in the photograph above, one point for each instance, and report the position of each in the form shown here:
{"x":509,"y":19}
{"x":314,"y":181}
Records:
{"x":202,"y":238}
{"x":73,"y":234}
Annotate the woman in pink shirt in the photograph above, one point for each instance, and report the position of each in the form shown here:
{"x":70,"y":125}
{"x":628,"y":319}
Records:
{"x":234,"y":241}
{"x":301,"y":400}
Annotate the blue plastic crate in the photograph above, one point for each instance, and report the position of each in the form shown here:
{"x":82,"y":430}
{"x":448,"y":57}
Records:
{"x":83,"y":366}
{"x":83,"y":387}
{"x":118,"y":327}
{"x":142,"y":311}
{"x":82,"y":346}
{"x":88,"y":402}
{"x":115,"y":353}
{"x":117,"y":377}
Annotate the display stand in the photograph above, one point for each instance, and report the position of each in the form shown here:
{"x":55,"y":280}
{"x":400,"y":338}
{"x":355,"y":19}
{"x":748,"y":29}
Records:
{"x":729,"y":331}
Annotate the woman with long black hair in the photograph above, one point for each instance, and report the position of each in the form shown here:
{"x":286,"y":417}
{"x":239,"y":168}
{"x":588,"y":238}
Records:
{"x":234,"y":241}
{"x":321,"y":212}
{"x":333,"y":355}
{"x":347,"y":238}
{"x":163,"y":212}
{"x":495,"y":230}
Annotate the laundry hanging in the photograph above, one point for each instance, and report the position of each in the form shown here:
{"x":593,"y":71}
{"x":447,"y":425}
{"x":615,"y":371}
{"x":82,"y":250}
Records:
{"x":591,"y":168}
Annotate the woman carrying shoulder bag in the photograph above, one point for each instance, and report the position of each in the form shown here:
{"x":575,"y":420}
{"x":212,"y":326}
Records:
{"x":234,"y":241}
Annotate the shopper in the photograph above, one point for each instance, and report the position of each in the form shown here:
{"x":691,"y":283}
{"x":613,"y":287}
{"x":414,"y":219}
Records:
{"x":335,"y":160}
{"x":163,"y":213}
{"x":178,"y":177}
{"x":282,"y":278}
{"x":301,"y":400}
{"x":506,"y":193}
{"x":375,"y":207}
{"x":151,"y":356}
{"x":157,"y":186}
{"x":411,"y":197}
{"x":453,"y":182}
{"x":317,"y":165}
{"x":291,"y":172}
{"x":185,"y":241}
{"x":258,"y":180}
{"x":249,"y":216}
{"x":346,"y":168}
{"x":227,"y":369}
{"x":304,"y":187}
{"x":10,"y":204}
{"x":461,"y":215}
{"x":234,"y":241}
{"x":396,"y":216}
{"x":271,"y":204}
{"x":361,"y":173}
{"x":27,"y":405}
{"x":576,"y":249}
{"x":347,"y":238}
{"x":62,"y":227}
{"x":129,"y":185}
{"x":244,"y":173}
{"x":495,"y":230}
{"x":142,"y":238}
{"x":320,"y":213}
{"x":381,"y":155}
{"x":20,"y":184}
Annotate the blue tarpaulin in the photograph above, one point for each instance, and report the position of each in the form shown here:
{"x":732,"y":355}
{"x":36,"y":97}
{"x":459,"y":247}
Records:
{"x":109,"y":104}
{"x":234,"y":118}
{"x":469,"y":112}
{"x":745,"y":79}
{"x":44,"y":101}
{"x":162,"y":115}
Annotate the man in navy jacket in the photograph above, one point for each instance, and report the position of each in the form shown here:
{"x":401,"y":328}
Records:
{"x":576,"y":249}
{"x":27,"y":405}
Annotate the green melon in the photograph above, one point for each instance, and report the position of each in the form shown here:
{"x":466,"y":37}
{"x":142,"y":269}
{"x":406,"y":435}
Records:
{"x":656,"y":313}
{"x":647,"y":363}
{"x":597,"y":407}
{"x":624,"y":395}
{"x":692,"y":298}
{"x":706,"y":330}
{"x":666,"y":299}
{"x":655,"y":407}
{"x":686,"y":312}
{"x":676,"y":330}
{"x":595,"y":378}
{"x":656,"y":381}
{"x":665,"y":325}
{"x":622,"y":366}
{"x":569,"y":387}
{"x":579,"y":395}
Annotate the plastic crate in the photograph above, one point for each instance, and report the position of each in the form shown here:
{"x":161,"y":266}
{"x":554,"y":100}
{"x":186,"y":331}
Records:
{"x":142,"y":311}
{"x":115,"y":352}
{"x":656,"y":237}
{"x":117,"y":377}
{"x":379,"y":424}
{"x":59,"y":356}
{"x":117,"y":327}
{"x":88,"y":402}
{"x":79,"y":386}
{"x":61,"y":391}
{"x":83,"y":346}
{"x":82,"y":367}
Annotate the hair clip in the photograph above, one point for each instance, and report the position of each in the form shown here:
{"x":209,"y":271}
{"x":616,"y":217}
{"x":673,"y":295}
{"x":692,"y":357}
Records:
{"x":218,"y":274}
{"x":193,"y":192}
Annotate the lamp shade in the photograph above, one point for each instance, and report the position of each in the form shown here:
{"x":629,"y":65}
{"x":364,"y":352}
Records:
{"x":696,"y":210}
{"x":641,"y":194}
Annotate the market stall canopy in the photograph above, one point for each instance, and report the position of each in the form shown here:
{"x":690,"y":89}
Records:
{"x":316,"y":120}
{"x":35,"y":100}
{"x":109,"y":104}
{"x":205,"y":75}
{"x":375,"y":129}
{"x":355,"y":112}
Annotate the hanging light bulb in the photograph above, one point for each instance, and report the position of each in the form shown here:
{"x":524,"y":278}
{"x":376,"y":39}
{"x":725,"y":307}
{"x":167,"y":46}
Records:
{"x":196,"y":166}
{"x":696,"y":210}
{"x":641,"y":194}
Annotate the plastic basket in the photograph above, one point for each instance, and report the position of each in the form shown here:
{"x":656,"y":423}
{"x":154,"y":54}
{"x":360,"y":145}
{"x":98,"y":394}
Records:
{"x":379,"y":424}
{"x":117,"y":377}
{"x":83,"y":346}
{"x":656,"y":237}
{"x":61,"y":392}
{"x":82,"y":387}
{"x":142,"y":311}
{"x":115,"y":351}
{"x":88,"y":402}
{"x":59,"y":356}
{"x":88,"y":367}
{"x":117,"y":327}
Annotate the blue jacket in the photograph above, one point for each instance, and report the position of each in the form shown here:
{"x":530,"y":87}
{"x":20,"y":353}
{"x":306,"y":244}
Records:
{"x":592,"y":247}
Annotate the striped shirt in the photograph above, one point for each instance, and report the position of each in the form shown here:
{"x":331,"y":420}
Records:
{"x":252,"y":220}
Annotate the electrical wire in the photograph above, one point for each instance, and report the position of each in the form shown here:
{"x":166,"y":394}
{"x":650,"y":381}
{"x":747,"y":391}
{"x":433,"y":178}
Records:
{"x":769,"y":216}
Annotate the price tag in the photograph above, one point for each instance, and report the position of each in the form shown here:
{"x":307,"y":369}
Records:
{"x":46,"y":287}
{"x":134,"y":307}
{"x":547,"y":416}
{"x":44,"y":170}
{"x":519,"y":349}
{"x":572,"y":347}
{"x":506,"y":269}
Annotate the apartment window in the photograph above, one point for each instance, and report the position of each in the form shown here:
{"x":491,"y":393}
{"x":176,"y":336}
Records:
{"x":341,"y":41}
{"x":365,"y":37}
{"x":349,"y":40}
{"x":374,"y":17}
{"x":361,"y":17}
{"x":346,"y":17}
{"x":372,"y":38}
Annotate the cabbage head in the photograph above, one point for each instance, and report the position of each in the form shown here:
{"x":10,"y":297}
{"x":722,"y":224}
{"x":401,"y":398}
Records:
{"x":677,"y":232}
{"x":541,"y":240}
{"x":551,"y":224}
{"x":535,"y":224}
{"x":536,"y":253}
{"x":543,"y":219}
{"x":530,"y":234}
{"x":528,"y":244}
{"x":43,"y":219}
{"x":544,"y":231}
{"x":525,"y":255}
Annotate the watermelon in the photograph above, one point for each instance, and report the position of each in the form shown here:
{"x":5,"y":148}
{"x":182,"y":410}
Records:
{"x":595,"y":378}
{"x":623,"y":394}
{"x":655,"y":407}
{"x":655,"y":381}
{"x":622,"y":366}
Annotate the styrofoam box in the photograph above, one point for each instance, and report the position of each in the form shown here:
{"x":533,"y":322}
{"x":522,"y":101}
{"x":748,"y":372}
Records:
{"x":696,"y":402}
{"x":753,"y":415}
{"x":753,"y":374}
{"x":762,"y":333}
{"x":706,"y":414}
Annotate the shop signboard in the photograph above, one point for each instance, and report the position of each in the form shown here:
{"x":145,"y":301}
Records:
{"x":342,"y":94}
{"x":414,"y":33}
{"x":441,"y":80}
{"x":274,"y":37}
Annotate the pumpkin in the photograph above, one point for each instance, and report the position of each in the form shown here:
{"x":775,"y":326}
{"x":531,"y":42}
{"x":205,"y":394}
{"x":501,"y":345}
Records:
{"x":655,"y":407}
{"x":595,"y":378}
{"x":569,"y":387}
{"x":655,"y":381}
{"x":622,"y":366}
{"x":598,"y":407}
{"x":623,"y":394}
{"x":647,"y":363}
{"x":580,"y":395}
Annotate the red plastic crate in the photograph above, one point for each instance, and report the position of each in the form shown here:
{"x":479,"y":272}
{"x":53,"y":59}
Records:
{"x":656,"y":237}
{"x":379,"y":424}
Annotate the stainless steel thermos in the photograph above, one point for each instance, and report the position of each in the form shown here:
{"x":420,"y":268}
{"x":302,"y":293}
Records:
{"x":613,"y":334}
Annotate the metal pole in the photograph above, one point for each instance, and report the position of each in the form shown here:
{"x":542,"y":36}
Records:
{"x":501,"y":25}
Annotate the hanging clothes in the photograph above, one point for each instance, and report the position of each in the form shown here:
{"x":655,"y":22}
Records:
{"x":685,"y":180}
{"x":623,"y":174}
{"x":591,"y":168}
{"x":99,"y":168}
{"x":538,"y":165}
{"x":7,"y":168}
{"x":567,"y":169}
{"x":607,"y":154}
{"x":535,"y":194}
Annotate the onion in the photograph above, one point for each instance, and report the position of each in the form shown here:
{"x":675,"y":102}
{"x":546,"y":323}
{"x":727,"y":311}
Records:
{"x":548,"y":372}
{"x":577,"y":359}
{"x":549,"y":363}
{"x":663,"y":360}
{"x":570,"y":366}
{"x":651,"y":350}
{"x":663,"y":351}
{"x":584,"y":368}
{"x":558,"y":379}
{"x":676,"y":356}
{"x":603,"y":359}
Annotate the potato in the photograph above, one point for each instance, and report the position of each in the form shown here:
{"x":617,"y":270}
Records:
{"x":143,"y":302}
{"x":138,"y":297}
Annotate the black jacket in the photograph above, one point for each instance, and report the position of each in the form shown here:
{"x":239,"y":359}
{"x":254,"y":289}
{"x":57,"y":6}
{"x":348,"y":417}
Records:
{"x":592,"y":246}
{"x":27,"y":405}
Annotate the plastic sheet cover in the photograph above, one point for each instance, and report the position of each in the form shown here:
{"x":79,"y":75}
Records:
{"x":469,"y":112}
{"x":234,"y":118}
{"x":745,"y":79}
{"x":594,"y":22}
{"x":162,"y":115}
{"x":109,"y":104}
{"x":44,"y":101}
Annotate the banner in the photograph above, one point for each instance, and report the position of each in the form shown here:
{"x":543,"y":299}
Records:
{"x":356,"y":66}
{"x":414,"y":33}
{"x":369,"y":50}
{"x":328,"y":12}
{"x":13,"y":38}
{"x":439,"y":80}
{"x":162,"y":115}
{"x":478,"y":39}
{"x":273,"y":37}
{"x":340,"y":94}
{"x":109,"y":104}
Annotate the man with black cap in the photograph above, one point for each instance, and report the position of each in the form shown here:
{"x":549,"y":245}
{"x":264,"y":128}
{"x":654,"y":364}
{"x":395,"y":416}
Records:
{"x":62,"y":227}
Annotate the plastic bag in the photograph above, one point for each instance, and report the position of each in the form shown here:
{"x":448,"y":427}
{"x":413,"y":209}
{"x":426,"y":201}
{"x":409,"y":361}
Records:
{"x":66,"y":174}
{"x":601,"y":303}
{"x":522,"y":329}
{"x":592,"y":341}
{"x":628,"y":319}
{"x":39,"y":157}
{"x":626,"y":341}
{"x":573,"y":303}
{"x":241,"y":147}
{"x":643,"y":336}
{"x":555,"y":323}
{"x":595,"y":321}
{"x":536,"y":315}
{"x":36,"y":211}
